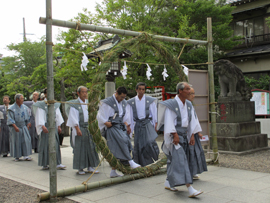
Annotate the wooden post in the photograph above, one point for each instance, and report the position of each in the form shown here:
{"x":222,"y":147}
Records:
{"x":94,"y":185}
{"x":212,"y":90}
{"x":50,"y":96}
{"x":93,"y":28}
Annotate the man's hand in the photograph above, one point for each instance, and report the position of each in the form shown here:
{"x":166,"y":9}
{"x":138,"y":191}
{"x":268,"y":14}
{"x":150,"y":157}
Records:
{"x":200,"y":135}
{"x":16,"y":128}
{"x":175,"y":138}
{"x":79,"y":132}
{"x":108,"y":124}
{"x":44,"y":129}
{"x":28,"y":126}
{"x":128,"y":130}
{"x":156,"y":127}
{"x":59,"y":130}
{"x":192,"y":140}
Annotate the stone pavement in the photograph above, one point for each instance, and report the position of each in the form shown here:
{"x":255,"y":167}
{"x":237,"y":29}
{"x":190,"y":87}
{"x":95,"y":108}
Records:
{"x":219,"y":184}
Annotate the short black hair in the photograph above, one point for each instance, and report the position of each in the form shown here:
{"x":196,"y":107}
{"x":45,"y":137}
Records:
{"x":45,"y":90}
{"x":140,"y":84}
{"x":121,"y":90}
{"x":7,"y":97}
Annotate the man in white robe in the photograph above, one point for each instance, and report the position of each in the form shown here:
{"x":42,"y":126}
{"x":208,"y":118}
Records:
{"x":32,"y":129}
{"x":19,"y":123}
{"x":40,"y":110}
{"x":143,"y":117}
{"x":85,"y":154}
{"x":114,"y":124}
{"x":176,"y":117}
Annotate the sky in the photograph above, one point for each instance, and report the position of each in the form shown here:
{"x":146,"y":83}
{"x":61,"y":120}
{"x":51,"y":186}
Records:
{"x":12,"y":13}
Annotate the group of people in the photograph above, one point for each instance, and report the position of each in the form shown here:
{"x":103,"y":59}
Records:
{"x":117,"y":119}
{"x":24,"y":129}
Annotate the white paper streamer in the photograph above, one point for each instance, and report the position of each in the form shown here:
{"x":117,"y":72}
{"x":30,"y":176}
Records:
{"x":148,"y":72}
{"x":124,"y":70}
{"x":164,"y":73}
{"x":185,"y":70}
{"x":84,"y":62}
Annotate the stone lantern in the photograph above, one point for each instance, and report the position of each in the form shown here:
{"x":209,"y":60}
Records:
{"x":106,"y":45}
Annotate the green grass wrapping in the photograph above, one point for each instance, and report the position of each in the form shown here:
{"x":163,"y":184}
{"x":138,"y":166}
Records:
{"x":99,"y":82}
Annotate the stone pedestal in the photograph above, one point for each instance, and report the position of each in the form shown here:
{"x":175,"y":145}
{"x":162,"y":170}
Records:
{"x":236,"y":112}
{"x":237,"y":130}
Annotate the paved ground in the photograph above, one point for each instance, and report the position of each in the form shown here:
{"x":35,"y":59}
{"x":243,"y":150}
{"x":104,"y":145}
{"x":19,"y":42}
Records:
{"x":219,"y":184}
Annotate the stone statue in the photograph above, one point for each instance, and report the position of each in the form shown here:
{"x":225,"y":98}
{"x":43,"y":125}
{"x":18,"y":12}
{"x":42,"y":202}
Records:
{"x":232,"y":82}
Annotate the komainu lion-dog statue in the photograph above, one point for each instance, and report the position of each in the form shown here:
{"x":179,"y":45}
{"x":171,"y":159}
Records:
{"x":232,"y":82}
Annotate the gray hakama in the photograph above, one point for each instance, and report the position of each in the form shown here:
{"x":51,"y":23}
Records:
{"x":146,"y":150}
{"x":85,"y":154}
{"x":20,"y":143}
{"x":117,"y":138}
{"x":197,"y":157}
{"x":43,"y":155}
{"x":4,"y":134}
{"x":32,"y":129}
{"x":178,"y":167}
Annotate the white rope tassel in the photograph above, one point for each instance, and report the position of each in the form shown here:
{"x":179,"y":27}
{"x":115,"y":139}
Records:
{"x":148,"y":72}
{"x":185,"y":70}
{"x":124,"y":70}
{"x":164,"y":73}
{"x":84,"y":62}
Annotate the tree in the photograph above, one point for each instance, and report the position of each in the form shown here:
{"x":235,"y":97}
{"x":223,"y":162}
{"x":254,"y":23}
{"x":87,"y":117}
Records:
{"x":17,"y":70}
{"x":73,"y":44}
{"x":174,"y":18}
{"x":261,"y":83}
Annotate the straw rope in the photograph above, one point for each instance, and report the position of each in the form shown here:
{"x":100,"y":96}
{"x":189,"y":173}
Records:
{"x":85,"y":182}
{"x":96,"y":88}
{"x":182,"y":48}
{"x":157,"y":64}
{"x":78,"y":27}
{"x":48,"y":102}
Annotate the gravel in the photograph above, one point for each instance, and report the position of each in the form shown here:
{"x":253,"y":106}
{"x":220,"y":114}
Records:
{"x":12,"y":191}
{"x":259,"y":161}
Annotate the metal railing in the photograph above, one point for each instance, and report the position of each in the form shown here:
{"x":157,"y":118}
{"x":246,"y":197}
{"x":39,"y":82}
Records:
{"x":257,"y":39}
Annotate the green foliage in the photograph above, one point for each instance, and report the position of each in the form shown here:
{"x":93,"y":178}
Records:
{"x":17,"y":70}
{"x":174,"y":18}
{"x":73,"y":43}
{"x":268,"y":21}
{"x":261,"y":83}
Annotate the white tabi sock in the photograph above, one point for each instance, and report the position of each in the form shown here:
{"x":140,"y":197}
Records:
{"x":81,"y":172}
{"x":191,"y":190}
{"x":133,"y":164}
{"x":60,"y":166}
{"x":113,"y":174}
{"x":91,"y":169}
